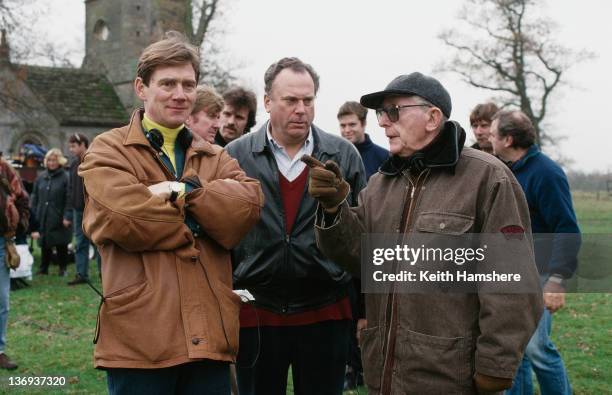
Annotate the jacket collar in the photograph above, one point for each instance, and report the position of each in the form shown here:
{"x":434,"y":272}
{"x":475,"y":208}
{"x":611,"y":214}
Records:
{"x":531,"y":152}
{"x":322,"y":144}
{"x":365,"y":144}
{"x":136,"y":136}
{"x":442,"y":153}
{"x":53,"y":173}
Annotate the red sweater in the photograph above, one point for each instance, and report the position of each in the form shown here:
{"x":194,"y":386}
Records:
{"x":291,"y":194}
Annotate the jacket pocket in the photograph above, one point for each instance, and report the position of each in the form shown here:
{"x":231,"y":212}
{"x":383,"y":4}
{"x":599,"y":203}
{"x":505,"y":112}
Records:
{"x":127,"y":298}
{"x":433,"y":364}
{"x":372,"y":357}
{"x":229,"y":305}
{"x":444,"y":223}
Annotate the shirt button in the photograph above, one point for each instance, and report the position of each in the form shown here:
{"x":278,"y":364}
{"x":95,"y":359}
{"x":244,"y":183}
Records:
{"x":195,"y":341}
{"x":442,"y":225}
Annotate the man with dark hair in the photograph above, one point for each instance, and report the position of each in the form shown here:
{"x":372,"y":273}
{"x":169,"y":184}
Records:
{"x":352,"y":118}
{"x":77,"y":145}
{"x":238,"y":115}
{"x":302,"y":314}
{"x":437,"y":342}
{"x":165,"y":210}
{"x":480,"y":121}
{"x":14,"y":215}
{"x":556,"y":240}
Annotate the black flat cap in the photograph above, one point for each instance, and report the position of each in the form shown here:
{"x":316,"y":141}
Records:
{"x":417,"y":84}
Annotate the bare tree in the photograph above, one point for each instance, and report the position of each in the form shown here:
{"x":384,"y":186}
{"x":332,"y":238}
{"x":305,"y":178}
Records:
{"x":204,"y":11}
{"x":510,"y":50}
{"x":17,"y":17}
{"x":203,"y":32}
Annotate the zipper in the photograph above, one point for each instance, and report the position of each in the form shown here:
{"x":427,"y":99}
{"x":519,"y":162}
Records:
{"x":412,"y":200}
{"x":160,"y":161}
{"x":285,"y":268}
{"x":391,"y":307}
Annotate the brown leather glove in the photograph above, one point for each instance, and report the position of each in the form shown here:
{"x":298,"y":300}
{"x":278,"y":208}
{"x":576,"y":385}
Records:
{"x":325,"y":183}
{"x":489,"y":384}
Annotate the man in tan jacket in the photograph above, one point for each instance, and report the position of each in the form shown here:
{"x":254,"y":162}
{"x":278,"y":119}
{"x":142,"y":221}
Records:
{"x":434,"y":341}
{"x":164,"y":210}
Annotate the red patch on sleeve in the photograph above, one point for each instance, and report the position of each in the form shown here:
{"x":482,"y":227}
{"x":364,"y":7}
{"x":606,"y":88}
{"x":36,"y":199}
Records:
{"x":513,"y":232}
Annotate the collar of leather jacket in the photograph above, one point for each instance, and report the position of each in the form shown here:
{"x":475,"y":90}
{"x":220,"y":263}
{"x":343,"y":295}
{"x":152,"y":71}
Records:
{"x":443,"y":153}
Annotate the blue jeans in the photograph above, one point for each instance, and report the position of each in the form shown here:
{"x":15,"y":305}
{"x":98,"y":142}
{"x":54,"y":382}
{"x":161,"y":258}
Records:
{"x":5,"y":288}
{"x":81,"y":253}
{"x":543,"y":357}
{"x":201,"y":377}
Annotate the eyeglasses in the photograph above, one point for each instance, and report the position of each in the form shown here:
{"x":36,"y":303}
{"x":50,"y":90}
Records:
{"x":393,"y":111}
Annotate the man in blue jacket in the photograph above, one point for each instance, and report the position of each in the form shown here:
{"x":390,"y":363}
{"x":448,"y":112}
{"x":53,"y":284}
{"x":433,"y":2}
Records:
{"x":352,"y":119}
{"x":556,"y":239}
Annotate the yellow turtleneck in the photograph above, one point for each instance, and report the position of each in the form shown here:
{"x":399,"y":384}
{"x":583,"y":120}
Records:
{"x":168,"y":134}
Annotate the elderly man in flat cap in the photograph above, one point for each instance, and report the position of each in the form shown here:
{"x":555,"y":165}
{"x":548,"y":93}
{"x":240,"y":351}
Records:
{"x":437,"y":342}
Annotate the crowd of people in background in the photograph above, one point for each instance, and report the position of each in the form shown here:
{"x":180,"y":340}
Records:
{"x":293,"y":253}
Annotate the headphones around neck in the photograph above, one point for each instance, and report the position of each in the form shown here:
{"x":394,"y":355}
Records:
{"x":156,"y":139}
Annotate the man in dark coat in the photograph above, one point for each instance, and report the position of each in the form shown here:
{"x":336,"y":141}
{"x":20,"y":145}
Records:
{"x":302,"y":313}
{"x":352,"y":118}
{"x":78,"y":144}
{"x":238,"y":114}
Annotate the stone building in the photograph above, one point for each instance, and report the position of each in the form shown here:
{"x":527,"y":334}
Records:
{"x":44,"y":105}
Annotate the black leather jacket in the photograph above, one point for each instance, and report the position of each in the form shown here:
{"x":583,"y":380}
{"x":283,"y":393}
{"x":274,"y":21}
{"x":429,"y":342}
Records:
{"x":286,"y":273}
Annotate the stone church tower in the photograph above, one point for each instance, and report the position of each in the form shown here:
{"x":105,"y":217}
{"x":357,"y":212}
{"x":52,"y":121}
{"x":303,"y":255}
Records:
{"x":43,"y":106}
{"x":116,"y":32}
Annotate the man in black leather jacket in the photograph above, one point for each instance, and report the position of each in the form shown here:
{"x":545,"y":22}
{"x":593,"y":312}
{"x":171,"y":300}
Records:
{"x":302,"y":313}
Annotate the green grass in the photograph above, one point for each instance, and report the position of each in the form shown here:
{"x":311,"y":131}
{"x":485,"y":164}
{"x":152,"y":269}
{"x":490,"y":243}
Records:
{"x":51,"y":326}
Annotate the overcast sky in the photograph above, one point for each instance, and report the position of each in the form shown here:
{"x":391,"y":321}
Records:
{"x":358,"y":46}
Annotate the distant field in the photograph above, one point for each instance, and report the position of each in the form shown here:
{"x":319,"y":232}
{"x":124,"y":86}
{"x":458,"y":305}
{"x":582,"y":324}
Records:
{"x":51,"y":326}
{"x":583,"y":330}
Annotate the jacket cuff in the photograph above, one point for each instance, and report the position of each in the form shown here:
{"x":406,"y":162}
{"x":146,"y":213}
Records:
{"x":496,"y":366}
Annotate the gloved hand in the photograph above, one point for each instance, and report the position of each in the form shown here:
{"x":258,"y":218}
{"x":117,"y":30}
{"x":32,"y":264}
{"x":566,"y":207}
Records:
{"x":489,"y":384}
{"x":325,"y":183}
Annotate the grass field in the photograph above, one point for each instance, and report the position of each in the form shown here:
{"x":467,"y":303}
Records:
{"x":51,"y":327}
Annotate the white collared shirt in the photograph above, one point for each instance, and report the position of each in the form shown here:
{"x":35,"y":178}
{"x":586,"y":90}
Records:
{"x":290,"y":168}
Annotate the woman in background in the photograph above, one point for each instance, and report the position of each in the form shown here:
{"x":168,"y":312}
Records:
{"x":50,"y":206}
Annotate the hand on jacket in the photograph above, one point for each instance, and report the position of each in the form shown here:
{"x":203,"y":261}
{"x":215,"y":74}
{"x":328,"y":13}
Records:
{"x":489,"y":384}
{"x":325,"y":183}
